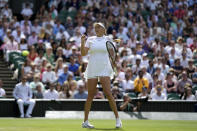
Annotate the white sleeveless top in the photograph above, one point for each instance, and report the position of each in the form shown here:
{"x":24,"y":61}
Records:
{"x":99,"y":63}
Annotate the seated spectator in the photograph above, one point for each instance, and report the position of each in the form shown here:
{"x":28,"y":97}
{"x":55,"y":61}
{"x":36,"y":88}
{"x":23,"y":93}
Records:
{"x":49,"y":54}
{"x":38,"y":60}
{"x":182,"y":82}
{"x":32,"y":54}
{"x":127,"y":84}
{"x":27,"y":11}
{"x":144,"y":92}
{"x":177,"y":67}
{"x":10,"y":46}
{"x":194,"y":78}
{"x":38,"y":93}
{"x":73,"y":86}
{"x":137,"y":66}
{"x":36,"y":82}
{"x":58,"y":87}
{"x":140,"y":82}
{"x":127,"y":105}
{"x":49,"y":76}
{"x":161,"y":76}
{"x":148,"y":77}
{"x":63,"y":77}
{"x":33,"y":39}
{"x":23,"y":95}
{"x":170,"y":84}
{"x":99,"y":94}
{"x":59,"y":67}
{"x":116,"y":93}
{"x":23,"y":43}
{"x":191,"y":68}
{"x":150,"y":68}
{"x":51,"y":93}
{"x":81,"y":93}
{"x":73,"y":66}
{"x":188,"y":96}
{"x":158,"y":95}
{"x":26,"y":68}
{"x":2,"y":91}
{"x":59,"y":54}
{"x":65,"y":93}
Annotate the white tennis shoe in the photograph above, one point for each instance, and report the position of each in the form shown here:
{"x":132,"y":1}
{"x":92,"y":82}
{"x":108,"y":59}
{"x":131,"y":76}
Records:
{"x":86,"y":124}
{"x":118,"y":123}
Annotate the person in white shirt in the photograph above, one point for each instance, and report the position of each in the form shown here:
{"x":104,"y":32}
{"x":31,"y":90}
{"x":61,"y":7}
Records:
{"x":51,"y":93}
{"x":158,"y":96}
{"x":188,"y":96}
{"x":23,"y":95}
{"x":27,"y":11}
{"x":2,"y":91}
{"x":127,"y":84}
{"x":33,"y":39}
{"x":49,"y":75}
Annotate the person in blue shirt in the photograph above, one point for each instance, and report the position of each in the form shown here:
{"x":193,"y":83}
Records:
{"x":63,"y":77}
{"x":81,"y":93}
{"x":73,"y":67}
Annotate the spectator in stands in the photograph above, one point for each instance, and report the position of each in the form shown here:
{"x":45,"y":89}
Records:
{"x":23,"y":95}
{"x":51,"y":93}
{"x":158,"y":95}
{"x":144,"y":92}
{"x":188,"y":96}
{"x":73,"y":66}
{"x":26,"y":68}
{"x":38,"y":93}
{"x":2,"y":91}
{"x":33,"y":39}
{"x":116,"y":93}
{"x":33,"y":84}
{"x":140,"y":82}
{"x":150,"y":68}
{"x":177,"y":67}
{"x":194,"y":78}
{"x":170,"y":84}
{"x":191,"y":68}
{"x":81,"y":93}
{"x":32,"y":53}
{"x":65,"y":93}
{"x":10,"y":46}
{"x":49,"y":54}
{"x":27,"y":11}
{"x":99,"y":94}
{"x":182,"y":82}
{"x":127,"y":105}
{"x":127,"y":84}
{"x":49,"y":76}
{"x":63,"y":77}
{"x":59,"y":67}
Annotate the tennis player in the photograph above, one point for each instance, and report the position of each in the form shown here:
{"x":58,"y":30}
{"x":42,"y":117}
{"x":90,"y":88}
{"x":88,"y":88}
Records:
{"x":99,"y":68}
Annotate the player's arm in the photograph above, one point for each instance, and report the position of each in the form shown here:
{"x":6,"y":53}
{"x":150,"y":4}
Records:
{"x":84,"y":50}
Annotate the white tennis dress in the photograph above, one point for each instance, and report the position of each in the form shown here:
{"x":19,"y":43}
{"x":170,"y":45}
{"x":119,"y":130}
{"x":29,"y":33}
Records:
{"x":99,"y":63}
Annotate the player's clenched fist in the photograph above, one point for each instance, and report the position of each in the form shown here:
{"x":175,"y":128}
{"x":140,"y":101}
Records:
{"x":83,"y":39}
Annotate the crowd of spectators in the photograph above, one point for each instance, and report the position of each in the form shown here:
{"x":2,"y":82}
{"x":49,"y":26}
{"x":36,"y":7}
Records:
{"x":157,"y":54}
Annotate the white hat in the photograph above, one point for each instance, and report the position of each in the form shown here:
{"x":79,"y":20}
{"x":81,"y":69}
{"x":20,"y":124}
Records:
{"x":101,"y":24}
{"x":144,"y":54}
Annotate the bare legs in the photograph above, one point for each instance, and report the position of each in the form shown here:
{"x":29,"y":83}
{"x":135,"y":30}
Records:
{"x":91,"y":92}
{"x":105,"y":81}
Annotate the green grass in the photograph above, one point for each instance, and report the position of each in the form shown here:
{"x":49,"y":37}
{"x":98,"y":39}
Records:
{"x":102,"y":125}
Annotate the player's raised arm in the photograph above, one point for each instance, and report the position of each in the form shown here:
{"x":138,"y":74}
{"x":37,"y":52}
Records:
{"x":84,"y":50}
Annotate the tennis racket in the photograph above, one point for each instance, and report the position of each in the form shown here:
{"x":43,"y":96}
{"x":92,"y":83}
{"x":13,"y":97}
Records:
{"x":112,"y":54}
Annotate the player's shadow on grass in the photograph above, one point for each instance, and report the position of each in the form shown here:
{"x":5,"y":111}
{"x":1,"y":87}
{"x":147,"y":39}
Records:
{"x":108,"y":129}
{"x":137,"y":115}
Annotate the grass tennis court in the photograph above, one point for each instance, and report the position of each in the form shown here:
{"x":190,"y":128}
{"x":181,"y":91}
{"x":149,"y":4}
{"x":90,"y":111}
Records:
{"x":103,"y":125}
